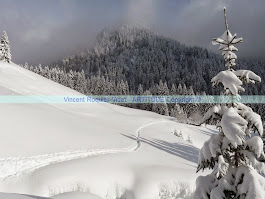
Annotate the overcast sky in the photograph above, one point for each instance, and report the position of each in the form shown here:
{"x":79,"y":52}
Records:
{"x":41,"y":31}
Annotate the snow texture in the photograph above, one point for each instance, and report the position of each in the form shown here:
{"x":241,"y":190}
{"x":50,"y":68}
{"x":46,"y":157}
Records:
{"x":229,"y":80}
{"x":249,"y":184}
{"x":247,"y":76}
{"x":254,"y":119}
{"x":211,"y":113}
{"x":233,"y":126}
{"x":102,"y":149}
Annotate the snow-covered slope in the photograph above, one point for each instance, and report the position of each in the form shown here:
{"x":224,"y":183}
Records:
{"x":29,"y":127}
{"x":111,"y":151}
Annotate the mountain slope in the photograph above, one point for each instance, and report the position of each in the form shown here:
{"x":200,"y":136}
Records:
{"x":139,"y":56}
{"x":63,"y":126}
{"x":111,"y":151}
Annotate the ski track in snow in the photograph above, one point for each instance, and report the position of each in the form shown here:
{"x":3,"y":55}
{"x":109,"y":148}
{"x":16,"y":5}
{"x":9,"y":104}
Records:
{"x":16,"y":166}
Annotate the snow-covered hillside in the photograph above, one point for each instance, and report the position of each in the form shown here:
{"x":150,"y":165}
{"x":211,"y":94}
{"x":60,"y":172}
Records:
{"x":104,"y":150}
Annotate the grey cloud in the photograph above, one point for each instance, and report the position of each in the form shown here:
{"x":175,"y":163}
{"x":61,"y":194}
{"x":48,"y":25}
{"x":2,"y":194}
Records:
{"x":202,"y":20}
{"x":47,"y":31}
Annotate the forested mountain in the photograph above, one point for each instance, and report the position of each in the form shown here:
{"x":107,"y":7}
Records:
{"x":138,"y":56}
{"x":133,"y":60}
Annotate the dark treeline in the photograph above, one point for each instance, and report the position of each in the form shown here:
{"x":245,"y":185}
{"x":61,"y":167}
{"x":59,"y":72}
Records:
{"x":133,"y":60}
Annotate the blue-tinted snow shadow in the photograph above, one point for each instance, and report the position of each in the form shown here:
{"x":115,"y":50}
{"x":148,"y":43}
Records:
{"x":35,"y":197}
{"x":184,"y":151}
{"x":210,"y":132}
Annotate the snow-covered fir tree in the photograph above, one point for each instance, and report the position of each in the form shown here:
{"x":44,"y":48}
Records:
{"x":179,"y":90}
{"x":70,"y":82}
{"x":162,"y":107}
{"x":81,"y":82}
{"x":173,"y":90}
{"x":189,"y":139}
{"x":26,"y":66}
{"x":5,"y":53}
{"x":235,"y":152}
{"x":140,"y":90}
{"x":146,"y":106}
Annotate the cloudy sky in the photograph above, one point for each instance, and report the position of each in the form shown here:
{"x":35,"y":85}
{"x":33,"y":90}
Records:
{"x":41,"y":31}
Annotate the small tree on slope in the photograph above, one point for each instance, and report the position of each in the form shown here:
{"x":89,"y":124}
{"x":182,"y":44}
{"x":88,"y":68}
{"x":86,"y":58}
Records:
{"x":233,"y":153}
{"x":5,"y":48}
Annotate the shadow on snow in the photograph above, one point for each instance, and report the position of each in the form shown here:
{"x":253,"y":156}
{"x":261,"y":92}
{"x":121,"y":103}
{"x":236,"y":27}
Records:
{"x":184,"y":151}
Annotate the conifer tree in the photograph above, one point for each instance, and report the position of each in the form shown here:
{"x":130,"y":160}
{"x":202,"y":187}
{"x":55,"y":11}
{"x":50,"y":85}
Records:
{"x":54,"y":74}
{"x":140,"y":90}
{"x":62,"y":78}
{"x":179,"y":90}
{"x":31,"y":68}
{"x":184,"y":90}
{"x":173,"y":90}
{"x":234,"y":152}
{"x":40,"y":69}
{"x":189,"y":139}
{"x":161,"y":108}
{"x":26,"y":66}
{"x":70,"y":79}
{"x":5,"y":48}
{"x":82,"y":82}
